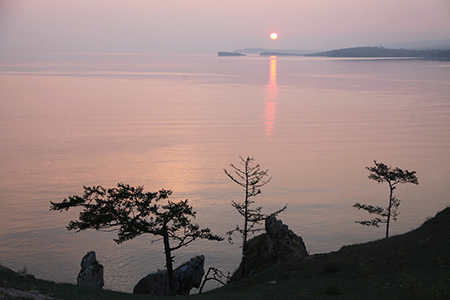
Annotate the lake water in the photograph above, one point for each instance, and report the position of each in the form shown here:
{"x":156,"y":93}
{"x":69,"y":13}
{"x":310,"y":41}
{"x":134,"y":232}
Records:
{"x":176,"y":121}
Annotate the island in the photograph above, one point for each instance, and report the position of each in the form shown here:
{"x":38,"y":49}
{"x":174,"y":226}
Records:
{"x":223,"y":53}
{"x":437,"y":52}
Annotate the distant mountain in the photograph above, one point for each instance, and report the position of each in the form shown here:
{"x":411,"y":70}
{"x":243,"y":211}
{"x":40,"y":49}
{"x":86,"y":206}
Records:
{"x":280,"y":54}
{"x":261,"y":50}
{"x":223,"y":53}
{"x":422,"y":45}
{"x":436,"y":49}
{"x":375,"y":52}
{"x":442,"y":55}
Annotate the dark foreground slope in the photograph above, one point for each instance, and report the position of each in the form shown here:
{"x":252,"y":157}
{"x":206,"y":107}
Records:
{"x":414,"y":265}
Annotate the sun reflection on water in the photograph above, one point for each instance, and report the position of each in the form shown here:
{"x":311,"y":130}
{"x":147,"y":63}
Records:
{"x":272,"y":96}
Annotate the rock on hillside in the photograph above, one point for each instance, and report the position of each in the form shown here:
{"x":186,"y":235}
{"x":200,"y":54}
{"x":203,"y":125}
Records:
{"x":186,"y":277}
{"x":278,"y":244}
{"x":414,"y":265}
{"x":91,"y":273}
{"x":282,"y":244}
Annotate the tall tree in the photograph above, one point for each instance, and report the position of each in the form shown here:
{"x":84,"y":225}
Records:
{"x":382,"y":173}
{"x":251,"y":178}
{"x":133,"y":212}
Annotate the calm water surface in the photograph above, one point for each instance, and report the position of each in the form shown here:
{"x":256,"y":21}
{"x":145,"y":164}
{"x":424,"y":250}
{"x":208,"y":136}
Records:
{"x":175,"y":122}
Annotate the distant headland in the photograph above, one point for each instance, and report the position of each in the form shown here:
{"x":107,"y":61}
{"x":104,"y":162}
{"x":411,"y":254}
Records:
{"x":223,"y":53}
{"x":430,"y":50}
{"x":378,"y":52}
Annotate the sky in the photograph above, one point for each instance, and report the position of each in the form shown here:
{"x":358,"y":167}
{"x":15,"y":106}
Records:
{"x":209,"y":26}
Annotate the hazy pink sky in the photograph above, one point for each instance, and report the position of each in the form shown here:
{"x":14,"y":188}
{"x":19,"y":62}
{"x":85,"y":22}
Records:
{"x":205,"y":26}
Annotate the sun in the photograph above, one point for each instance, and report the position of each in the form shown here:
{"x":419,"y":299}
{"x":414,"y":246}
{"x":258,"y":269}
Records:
{"x":273,"y":35}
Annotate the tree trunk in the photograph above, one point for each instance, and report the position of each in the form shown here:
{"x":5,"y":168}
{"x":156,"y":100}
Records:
{"x":169,"y":264}
{"x":389,"y":209}
{"x":244,"y":244}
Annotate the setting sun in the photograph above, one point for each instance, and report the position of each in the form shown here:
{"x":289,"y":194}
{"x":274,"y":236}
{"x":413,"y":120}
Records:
{"x":273,"y":36}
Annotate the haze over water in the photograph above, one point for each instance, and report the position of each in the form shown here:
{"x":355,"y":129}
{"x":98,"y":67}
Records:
{"x":175,"y":121}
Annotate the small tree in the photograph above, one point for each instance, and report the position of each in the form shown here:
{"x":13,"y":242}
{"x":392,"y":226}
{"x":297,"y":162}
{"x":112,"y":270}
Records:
{"x":393,"y":176}
{"x":133,"y":212}
{"x":251,"y":178}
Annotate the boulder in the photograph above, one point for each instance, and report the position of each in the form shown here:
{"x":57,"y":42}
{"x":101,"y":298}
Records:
{"x":278,"y":244}
{"x":282,"y":244}
{"x":153,"y":284}
{"x":186,"y":277}
{"x":91,"y":273}
{"x":189,"y":275}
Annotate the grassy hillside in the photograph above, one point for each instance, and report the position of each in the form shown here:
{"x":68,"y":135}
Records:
{"x":414,"y":265}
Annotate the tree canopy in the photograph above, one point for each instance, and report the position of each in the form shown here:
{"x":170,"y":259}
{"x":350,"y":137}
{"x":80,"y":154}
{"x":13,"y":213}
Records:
{"x":133,"y":212}
{"x":382,"y":173}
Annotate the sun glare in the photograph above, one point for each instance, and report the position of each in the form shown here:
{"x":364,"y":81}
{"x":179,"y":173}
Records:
{"x":273,"y":36}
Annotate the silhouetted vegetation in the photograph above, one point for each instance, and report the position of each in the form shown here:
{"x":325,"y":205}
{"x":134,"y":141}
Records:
{"x":382,"y":173}
{"x":414,"y":265}
{"x":133,"y":212}
{"x":215,"y":275}
{"x":251,"y":178}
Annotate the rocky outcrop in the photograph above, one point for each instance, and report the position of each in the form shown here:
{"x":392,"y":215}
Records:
{"x":278,"y":244}
{"x":186,"y":277}
{"x":282,"y":244}
{"x":153,"y":284}
{"x":91,"y":273}
{"x":189,"y":275}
